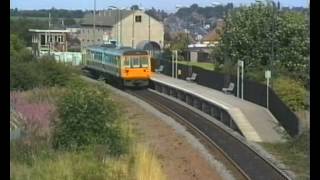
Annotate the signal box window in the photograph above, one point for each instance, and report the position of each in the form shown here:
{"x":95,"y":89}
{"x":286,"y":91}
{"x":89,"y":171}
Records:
{"x":138,"y":18}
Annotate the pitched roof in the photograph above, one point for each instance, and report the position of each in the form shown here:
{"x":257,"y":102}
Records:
{"x":106,"y":18}
{"x":215,"y":34}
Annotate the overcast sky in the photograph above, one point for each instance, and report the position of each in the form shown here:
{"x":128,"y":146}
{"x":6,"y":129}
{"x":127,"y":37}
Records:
{"x":168,"y":5}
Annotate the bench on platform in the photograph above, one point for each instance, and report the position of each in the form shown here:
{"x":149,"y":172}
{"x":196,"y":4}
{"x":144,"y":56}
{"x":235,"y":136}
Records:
{"x":229,"y":89}
{"x":192,"y":78}
{"x":160,"y":69}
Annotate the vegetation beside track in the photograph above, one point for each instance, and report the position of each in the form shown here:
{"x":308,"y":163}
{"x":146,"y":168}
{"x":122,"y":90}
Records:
{"x":295,"y":154}
{"x":71,"y":129}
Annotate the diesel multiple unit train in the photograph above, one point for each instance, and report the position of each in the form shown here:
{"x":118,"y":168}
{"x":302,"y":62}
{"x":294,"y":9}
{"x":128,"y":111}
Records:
{"x":125,"y":66}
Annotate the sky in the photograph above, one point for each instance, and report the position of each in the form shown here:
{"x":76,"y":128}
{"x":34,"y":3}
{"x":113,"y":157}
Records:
{"x":167,"y":5}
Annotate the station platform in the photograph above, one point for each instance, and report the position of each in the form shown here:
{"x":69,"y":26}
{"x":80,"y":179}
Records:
{"x":254,"y":121}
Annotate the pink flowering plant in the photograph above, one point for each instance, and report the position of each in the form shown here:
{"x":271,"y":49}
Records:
{"x":36,"y":115}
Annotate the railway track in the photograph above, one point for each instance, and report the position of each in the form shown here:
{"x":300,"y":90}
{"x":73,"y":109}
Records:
{"x":248,"y":163}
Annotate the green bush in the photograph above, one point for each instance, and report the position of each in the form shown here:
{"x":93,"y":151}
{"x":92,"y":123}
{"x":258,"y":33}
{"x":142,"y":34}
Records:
{"x":25,"y":75}
{"x":87,"y":116}
{"x":55,"y":73}
{"x":291,"y":92}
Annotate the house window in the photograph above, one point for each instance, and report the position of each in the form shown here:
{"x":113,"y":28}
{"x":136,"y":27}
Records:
{"x":138,"y":18}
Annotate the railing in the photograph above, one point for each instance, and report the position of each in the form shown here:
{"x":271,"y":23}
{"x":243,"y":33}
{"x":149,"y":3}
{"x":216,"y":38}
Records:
{"x":253,"y":91}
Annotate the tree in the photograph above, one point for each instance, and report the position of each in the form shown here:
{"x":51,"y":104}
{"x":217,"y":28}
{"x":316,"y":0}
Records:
{"x":180,"y":42}
{"x":248,"y":36}
{"x":134,"y":7}
{"x":21,"y":26}
{"x":69,"y":21}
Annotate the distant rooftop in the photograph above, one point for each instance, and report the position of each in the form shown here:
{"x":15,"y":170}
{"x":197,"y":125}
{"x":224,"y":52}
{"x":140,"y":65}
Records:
{"x":106,"y":18}
{"x":215,"y":35}
{"x":49,"y":30}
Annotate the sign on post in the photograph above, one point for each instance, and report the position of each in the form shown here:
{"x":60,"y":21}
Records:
{"x":267,"y":74}
{"x":240,"y":63}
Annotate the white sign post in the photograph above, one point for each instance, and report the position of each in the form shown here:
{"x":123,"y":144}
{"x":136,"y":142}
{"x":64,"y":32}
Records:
{"x":172,"y":62}
{"x":240,"y":64}
{"x":238,"y":74}
{"x":267,"y":76}
{"x":176,"y":52}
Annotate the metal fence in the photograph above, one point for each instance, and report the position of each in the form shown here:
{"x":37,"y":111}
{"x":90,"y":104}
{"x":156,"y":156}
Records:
{"x":252,"y":91}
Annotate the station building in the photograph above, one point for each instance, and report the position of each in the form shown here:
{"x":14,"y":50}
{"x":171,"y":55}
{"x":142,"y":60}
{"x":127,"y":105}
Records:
{"x":131,"y":28}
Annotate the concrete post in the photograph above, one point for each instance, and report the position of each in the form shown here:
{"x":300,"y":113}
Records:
{"x":203,"y":107}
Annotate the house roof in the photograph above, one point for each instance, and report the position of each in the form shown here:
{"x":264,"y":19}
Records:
{"x":215,"y":34}
{"x":49,"y":30}
{"x":106,"y":18}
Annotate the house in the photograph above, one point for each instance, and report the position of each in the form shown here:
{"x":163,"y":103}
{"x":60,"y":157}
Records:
{"x":201,"y":50}
{"x":214,"y":36}
{"x":132,"y":28}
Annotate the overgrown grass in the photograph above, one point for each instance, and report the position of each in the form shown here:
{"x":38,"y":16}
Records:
{"x":146,"y":165}
{"x":204,"y":65}
{"x":88,"y":164}
{"x":33,"y":157}
{"x":295,"y":154}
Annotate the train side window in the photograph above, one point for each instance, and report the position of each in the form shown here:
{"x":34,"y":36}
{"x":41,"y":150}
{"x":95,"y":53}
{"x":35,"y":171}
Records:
{"x":113,"y":60}
{"x":116,"y":59}
{"x":126,"y":62}
{"x":107,"y":59}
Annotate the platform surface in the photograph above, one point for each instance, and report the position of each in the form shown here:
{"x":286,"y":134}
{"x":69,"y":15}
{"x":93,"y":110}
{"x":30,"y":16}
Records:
{"x":254,"y":121}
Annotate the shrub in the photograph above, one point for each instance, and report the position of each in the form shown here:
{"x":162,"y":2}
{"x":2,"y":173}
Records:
{"x":291,"y":92}
{"x":87,"y":116}
{"x":55,"y":73}
{"x":25,"y":75}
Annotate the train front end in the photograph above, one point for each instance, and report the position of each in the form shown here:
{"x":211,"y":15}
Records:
{"x":136,"y":69}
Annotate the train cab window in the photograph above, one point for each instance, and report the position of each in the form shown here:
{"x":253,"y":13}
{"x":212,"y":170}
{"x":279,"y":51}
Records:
{"x":135,"y":62}
{"x":144,"y":62}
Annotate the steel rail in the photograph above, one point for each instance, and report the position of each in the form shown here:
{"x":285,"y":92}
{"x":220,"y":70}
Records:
{"x":161,"y":103}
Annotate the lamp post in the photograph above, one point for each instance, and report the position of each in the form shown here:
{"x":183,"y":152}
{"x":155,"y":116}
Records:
{"x":267,"y":76}
{"x":187,"y":31}
{"x":119,"y":34}
{"x":94,"y":21}
{"x":240,"y":65}
{"x":117,"y":20}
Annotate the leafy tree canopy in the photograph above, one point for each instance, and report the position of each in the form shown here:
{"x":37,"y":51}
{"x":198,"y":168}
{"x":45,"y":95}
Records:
{"x":250,"y":32}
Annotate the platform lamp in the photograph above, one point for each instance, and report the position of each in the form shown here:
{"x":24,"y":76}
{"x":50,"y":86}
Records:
{"x":187,"y":32}
{"x":240,"y":65}
{"x":94,"y":21}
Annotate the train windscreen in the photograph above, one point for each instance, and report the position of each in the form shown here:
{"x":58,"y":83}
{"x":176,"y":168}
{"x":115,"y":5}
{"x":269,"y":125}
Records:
{"x":136,"y":61}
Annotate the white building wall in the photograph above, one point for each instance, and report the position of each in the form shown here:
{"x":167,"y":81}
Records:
{"x":135,"y":32}
{"x":129,"y":32}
